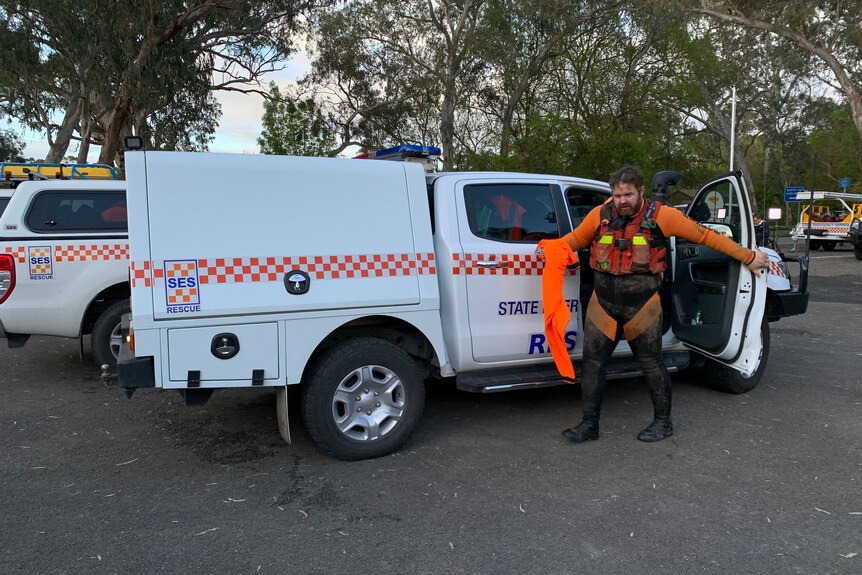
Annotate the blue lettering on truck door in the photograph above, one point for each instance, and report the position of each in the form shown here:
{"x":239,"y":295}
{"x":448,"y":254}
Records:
{"x":538,"y":342}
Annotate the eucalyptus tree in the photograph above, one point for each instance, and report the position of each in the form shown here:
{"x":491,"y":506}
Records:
{"x":828,"y":30}
{"x":293,"y":125}
{"x":595,"y":108}
{"x":707,"y":64}
{"x":110,"y":67}
{"x":11,"y":147}
{"x":398,"y":69}
{"x":521,"y":37}
{"x":368,"y":94}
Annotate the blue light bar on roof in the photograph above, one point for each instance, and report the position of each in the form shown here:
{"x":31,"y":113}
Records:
{"x":425,"y":155}
{"x":407,"y":151}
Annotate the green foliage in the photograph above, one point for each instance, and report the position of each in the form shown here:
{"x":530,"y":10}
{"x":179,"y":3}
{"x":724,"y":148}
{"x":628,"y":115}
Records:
{"x":11,"y":147}
{"x":109,"y":68}
{"x":562,"y":86}
{"x":838,"y":148}
{"x":293,"y":127}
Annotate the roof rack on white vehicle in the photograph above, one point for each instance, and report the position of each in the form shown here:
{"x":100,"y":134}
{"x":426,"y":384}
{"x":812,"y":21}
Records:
{"x":15,"y":172}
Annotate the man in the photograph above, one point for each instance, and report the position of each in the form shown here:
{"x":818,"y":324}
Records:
{"x":761,"y":230}
{"x":627,"y":236}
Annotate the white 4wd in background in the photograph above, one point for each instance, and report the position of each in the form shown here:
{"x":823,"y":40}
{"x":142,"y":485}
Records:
{"x":64,"y":261}
{"x":353,"y":281}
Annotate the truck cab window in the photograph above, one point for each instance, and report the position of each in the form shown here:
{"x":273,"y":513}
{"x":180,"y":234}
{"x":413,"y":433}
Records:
{"x":715,"y":209}
{"x":77,"y":211}
{"x":511,"y":212}
{"x":581,"y":202}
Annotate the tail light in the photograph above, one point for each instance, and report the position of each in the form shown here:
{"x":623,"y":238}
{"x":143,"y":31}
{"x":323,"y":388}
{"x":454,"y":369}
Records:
{"x":7,"y":276}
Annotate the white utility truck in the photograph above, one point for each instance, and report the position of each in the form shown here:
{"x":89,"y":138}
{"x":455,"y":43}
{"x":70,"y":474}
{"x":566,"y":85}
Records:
{"x":354,"y":281}
{"x":64,"y":266}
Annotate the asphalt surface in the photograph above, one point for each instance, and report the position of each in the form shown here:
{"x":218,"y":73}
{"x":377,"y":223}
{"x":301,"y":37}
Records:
{"x":766,"y":482}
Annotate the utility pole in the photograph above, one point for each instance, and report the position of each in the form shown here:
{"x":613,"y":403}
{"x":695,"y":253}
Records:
{"x":811,"y":205}
{"x":765,"y":162}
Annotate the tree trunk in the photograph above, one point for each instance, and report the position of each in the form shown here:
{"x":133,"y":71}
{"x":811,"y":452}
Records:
{"x":509,"y":112}
{"x":114,"y":128}
{"x":60,"y":145}
{"x":84,"y":148}
{"x":447,"y":124}
{"x":84,"y":130}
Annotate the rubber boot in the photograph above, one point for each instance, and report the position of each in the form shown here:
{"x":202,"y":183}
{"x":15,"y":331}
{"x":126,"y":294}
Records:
{"x":586,"y":430}
{"x":660,"y":428}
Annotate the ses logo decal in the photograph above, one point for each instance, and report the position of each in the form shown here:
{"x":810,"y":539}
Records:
{"x":41,"y":262}
{"x":182,"y":286}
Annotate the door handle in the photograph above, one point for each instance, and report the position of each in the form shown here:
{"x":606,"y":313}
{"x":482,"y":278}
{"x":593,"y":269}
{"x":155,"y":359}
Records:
{"x":687,"y":252}
{"x":493,"y":264}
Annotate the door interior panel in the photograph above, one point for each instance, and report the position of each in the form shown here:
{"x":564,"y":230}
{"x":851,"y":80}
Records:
{"x":702,"y":279}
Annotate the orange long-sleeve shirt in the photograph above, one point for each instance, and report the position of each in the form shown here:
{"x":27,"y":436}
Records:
{"x":672,"y":223}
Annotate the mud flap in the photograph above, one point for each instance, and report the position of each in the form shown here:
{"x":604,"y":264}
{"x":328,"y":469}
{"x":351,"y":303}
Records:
{"x":281,"y":410}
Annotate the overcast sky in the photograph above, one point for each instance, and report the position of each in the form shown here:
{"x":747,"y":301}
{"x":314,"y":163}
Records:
{"x":238,"y":128}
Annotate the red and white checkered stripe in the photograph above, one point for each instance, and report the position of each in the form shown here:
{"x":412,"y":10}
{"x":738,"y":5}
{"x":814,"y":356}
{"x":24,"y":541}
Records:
{"x":842,"y":230}
{"x":78,"y":253}
{"x":91,"y":252}
{"x":775,"y":269}
{"x":272,"y":269}
{"x":18,"y":252}
{"x":518,"y":264}
{"x":140,"y":274}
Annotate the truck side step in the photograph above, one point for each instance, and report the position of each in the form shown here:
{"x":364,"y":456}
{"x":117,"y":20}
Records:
{"x":546,"y":375}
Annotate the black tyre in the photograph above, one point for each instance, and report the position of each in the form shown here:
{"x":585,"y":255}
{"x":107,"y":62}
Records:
{"x":362,"y":399}
{"x":815,"y":245}
{"x":829,"y":245}
{"x":858,"y":251}
{"x":727,"y":379}
{"x":106,"y":338}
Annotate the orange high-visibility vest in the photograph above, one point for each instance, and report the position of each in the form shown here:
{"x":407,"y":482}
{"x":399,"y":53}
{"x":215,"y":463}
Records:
{"x":632,"y":246}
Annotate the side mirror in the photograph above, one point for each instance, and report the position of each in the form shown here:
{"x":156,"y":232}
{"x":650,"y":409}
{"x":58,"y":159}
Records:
{"x":660,"y":182}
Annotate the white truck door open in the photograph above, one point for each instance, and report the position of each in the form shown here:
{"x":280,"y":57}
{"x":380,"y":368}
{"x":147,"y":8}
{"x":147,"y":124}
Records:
{"x":499,"y":225}
{"x":730,"y":298}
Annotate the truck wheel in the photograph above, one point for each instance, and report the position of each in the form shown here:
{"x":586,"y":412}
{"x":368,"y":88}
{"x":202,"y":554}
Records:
{"x":858,"y":251}
{"x":815,"y":245}
{"x":106,"y":338}
{"x":727,"y":379}
{"x":362,"y":399}
{"x":829,"y":245}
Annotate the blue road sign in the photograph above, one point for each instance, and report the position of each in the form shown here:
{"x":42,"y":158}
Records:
{"x":844,"y":183}
{"x":790,"y":193}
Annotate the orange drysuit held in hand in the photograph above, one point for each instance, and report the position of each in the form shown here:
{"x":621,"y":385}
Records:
{"x":558,"y":256}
